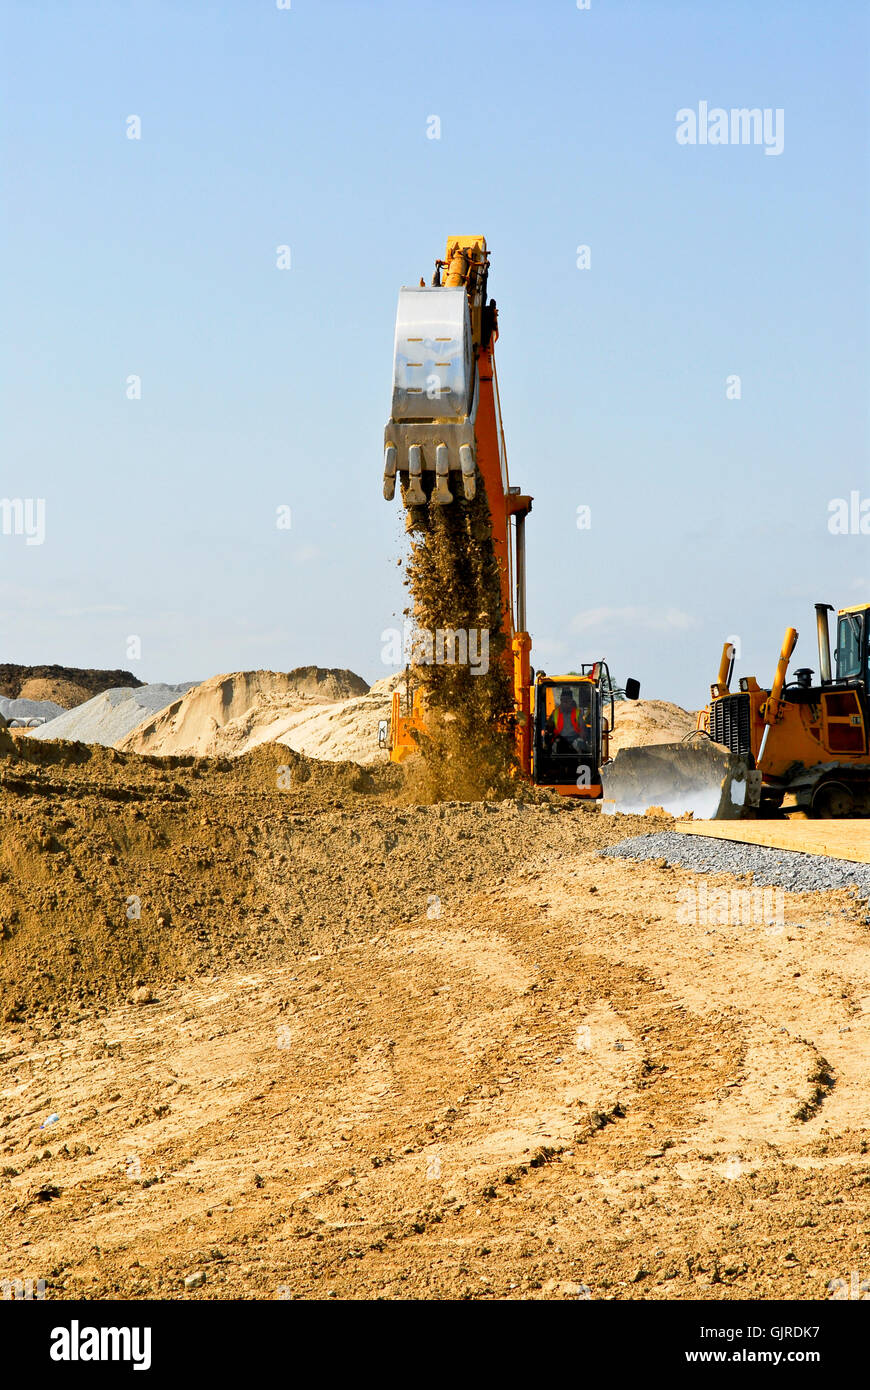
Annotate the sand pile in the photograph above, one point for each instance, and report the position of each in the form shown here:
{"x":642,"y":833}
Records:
{"x":333,"y":732}
{"x":323,"y":713}
{"x":327,"y":682}
{"x":640,"y":722}
{"x":108,"y":717}
{"x":66,"y":685}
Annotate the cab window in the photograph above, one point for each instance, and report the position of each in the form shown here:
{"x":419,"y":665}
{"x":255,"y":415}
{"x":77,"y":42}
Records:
{"x":565,"y":718}
{"x":850,"y":632}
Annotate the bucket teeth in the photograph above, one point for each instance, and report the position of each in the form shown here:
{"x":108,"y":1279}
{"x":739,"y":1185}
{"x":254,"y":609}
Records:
{"x":390,"y":472}
{"x":414,"y":494}
{"x":441,"y":492}
{"x":469,"y":480}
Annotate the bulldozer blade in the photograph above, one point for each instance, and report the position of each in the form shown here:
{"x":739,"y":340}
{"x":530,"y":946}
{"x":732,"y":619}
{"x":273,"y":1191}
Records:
{"x":697,"y":777}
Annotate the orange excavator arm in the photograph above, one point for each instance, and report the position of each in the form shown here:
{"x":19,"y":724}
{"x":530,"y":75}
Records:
{"x":445,"y":432}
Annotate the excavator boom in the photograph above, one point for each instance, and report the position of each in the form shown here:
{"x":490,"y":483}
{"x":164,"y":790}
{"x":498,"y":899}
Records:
{"x":444,"y":448}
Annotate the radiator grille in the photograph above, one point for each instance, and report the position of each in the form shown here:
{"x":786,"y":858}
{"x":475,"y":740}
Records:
{"x":729,"y":723}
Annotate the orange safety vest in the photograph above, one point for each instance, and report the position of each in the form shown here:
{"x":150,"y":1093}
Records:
{"x":559,"y":720}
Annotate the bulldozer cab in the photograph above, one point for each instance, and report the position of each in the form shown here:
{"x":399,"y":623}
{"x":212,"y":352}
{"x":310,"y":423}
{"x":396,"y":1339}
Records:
{"x":567,"y":729}
{"x":852,"y":655}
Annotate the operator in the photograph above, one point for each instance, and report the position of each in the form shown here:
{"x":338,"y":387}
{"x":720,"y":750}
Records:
{"x":567,"y":720}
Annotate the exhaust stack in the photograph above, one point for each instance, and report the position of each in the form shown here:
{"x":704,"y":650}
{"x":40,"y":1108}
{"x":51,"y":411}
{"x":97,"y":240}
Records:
{"x":822,"y":611}
{"x":726,"y":670}
{"x":521,"y":570}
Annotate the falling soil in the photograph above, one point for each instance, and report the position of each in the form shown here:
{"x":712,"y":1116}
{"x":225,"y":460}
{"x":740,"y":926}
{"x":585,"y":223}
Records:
{"x":453,"y":576}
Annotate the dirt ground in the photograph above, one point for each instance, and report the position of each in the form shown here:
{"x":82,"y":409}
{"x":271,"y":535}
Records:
{"x":352,"y":1047}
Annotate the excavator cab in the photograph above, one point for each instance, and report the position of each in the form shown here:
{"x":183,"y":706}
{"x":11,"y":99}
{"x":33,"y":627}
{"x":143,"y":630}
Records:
{"x":567,"y":746}
{"x":571,"y":729}
{"x":565,"y":715}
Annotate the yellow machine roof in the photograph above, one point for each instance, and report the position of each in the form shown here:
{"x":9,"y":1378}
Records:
{"x":466,"y":243}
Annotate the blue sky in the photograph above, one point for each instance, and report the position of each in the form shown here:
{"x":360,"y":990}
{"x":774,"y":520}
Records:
{"x":260,"y":387}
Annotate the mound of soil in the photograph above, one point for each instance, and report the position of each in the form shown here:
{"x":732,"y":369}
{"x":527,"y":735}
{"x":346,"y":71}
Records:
{"x":116,"y":868}
{"x":331,"y":729}
{"x":642,"y":722}
{"x":326,"y":683}
{"x":110,"y":716}
{"x":66,"y":685}
{"x":229,"y":714}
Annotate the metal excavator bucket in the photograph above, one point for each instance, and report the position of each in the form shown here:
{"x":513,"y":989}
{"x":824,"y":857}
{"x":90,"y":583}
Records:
{"x":429,"y":442}
{"x":696,"y":776}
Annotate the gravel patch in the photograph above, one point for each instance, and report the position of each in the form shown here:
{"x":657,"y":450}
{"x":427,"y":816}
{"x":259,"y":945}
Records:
{"x":113,"y":714}
{"x":781,"y":868}
{"x":22,"y":708}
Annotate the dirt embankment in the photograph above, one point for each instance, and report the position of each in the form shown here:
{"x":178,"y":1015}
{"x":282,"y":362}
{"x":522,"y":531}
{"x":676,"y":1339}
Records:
{"x":115,"y":868}
{"x":66,"y":685}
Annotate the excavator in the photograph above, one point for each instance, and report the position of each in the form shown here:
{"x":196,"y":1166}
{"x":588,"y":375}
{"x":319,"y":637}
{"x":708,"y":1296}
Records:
{"x":799,"y":749}
{"x":444,"y":443}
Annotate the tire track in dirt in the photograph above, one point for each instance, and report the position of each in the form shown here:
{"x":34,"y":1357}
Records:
{"x":508,"y":1070}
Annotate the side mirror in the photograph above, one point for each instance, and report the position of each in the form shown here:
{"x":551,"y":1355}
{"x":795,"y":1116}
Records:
{"x":632,"y":689}
{"x":383,"y":734}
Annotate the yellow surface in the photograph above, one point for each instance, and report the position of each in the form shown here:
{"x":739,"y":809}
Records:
{"x":465,"y":243}
{"x":841,"y":839}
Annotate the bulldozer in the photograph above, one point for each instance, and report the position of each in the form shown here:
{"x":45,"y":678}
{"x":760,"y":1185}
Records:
{"x":444,"y":444}
{"x":796,"y":749}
